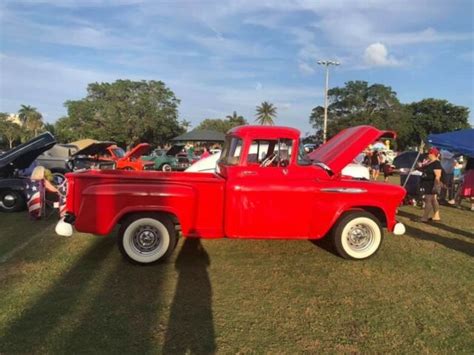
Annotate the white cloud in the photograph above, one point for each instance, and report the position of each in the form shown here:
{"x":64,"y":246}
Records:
{"x":305,"y":68}
{"x":377,"y":55}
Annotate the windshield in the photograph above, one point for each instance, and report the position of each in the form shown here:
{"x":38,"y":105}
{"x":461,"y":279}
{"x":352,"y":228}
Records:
{"x":232,"y":149}
{"x":118,"y":152}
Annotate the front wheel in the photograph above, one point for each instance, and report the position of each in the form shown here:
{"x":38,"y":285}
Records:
{"x":147,"y":238}
{"x":357,"y":235}
{"x":11,"y":201}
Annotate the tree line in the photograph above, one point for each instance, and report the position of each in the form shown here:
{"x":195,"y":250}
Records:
{"x":358,"y":103}
{"x":129,"y":112}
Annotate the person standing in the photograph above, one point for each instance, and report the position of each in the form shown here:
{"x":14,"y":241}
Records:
{"x":467,"y":187}
{"x":431,"y":184}
{"x":205,"y":153}
{"x":447,"y":163}
{"x":375,"y":164}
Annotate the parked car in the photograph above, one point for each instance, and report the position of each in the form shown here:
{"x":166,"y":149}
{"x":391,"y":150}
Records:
{"x":130,"y":160}
{"x":55,"y":159}
{"x":165,"y":159}
{"x":89,"y":157}
{"x":275,"y":193}
{"x":107,"y":155}
{"x":12,"y":184}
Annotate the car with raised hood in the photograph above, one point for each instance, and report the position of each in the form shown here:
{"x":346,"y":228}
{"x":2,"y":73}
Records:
{"x":55,"y":159}
{"x":12,"y":183}
{"x":166,"y":159}
{"x":107,"y":155}
{"x":264,"y":188}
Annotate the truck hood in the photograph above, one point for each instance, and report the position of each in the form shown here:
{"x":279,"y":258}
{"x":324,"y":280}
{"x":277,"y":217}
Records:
{"x":346,"y":145}
{"x":137,"y":151}
{"x":94,"y":148}
{"x":23,"y":155}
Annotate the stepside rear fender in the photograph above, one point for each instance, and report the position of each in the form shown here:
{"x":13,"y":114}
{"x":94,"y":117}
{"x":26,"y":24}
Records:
{"x":103,"y":206}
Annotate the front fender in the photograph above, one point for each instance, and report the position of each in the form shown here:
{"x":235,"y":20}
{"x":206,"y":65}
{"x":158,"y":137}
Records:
{"x":330,"y":208}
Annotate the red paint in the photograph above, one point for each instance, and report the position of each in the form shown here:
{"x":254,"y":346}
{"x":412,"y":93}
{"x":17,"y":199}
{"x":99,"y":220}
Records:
{"x":243,"y":200}
{"x":131,"y":160}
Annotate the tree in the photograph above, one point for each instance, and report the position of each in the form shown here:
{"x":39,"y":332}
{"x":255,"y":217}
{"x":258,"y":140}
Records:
{"x":235,"y":117}
{"x":9,"y":130}
{"x":31,"y":119}
{"x":436,"y":116}
{"x":265,"y":113}
{"x":357,"y":103}
{"x":124,"y":111}
{"x":220,"y":125}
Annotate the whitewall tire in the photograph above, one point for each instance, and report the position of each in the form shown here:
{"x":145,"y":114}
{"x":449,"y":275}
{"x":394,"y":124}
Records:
{"x":147,"y":238}
{"x":357,"y":235}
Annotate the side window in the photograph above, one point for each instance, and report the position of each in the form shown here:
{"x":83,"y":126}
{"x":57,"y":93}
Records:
{"x":232,"y":151}
{"x":268,"y":153}
{"x":260,"y":150}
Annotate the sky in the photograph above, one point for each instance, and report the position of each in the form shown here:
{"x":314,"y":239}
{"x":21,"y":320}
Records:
{"x":225,"y":56}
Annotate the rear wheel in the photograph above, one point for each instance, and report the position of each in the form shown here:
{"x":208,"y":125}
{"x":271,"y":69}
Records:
{"x":11,"y":201}
{"x":357,"y":235}
{"x":147,"y":238}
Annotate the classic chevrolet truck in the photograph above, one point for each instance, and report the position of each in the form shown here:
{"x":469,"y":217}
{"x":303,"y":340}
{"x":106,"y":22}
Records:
{"x":264,"y":187}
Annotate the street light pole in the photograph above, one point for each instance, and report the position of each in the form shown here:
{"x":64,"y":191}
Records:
{"x":326,"y":63}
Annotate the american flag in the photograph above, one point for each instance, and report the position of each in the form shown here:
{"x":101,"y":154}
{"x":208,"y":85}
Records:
{"x":34,"y":195}
{"x":62,"y":190}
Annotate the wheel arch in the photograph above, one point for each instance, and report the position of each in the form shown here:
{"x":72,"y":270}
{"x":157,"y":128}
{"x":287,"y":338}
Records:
{"x":131,"y":214}
{"x":378,"y":212}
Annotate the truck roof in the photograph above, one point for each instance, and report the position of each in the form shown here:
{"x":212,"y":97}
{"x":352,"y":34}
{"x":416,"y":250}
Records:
{"x":264,"y":132}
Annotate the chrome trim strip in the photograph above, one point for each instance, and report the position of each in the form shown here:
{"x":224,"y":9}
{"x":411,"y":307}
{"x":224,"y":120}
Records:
{"x":344,"y":190}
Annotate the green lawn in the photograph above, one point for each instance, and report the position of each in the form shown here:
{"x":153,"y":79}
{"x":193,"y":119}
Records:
{"x":63,"y":295}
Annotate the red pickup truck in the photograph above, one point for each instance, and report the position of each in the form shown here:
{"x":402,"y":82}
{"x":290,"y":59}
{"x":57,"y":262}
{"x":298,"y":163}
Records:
{"x":264,"y":188}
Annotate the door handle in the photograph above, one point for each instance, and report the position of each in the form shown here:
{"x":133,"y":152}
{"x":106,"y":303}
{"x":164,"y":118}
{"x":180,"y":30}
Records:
{"x":248,"y":173}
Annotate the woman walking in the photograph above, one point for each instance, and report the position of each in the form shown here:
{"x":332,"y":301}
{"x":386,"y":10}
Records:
{"x":431,"y":184}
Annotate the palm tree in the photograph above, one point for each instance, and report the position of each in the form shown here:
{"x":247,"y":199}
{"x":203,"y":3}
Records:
{"x":234,"y":117}
{"x":265,"y":113}
{"x":31,"y":119}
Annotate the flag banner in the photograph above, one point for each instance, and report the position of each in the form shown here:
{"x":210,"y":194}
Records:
{"x":62,"y":190}
{"x":34,"y":196}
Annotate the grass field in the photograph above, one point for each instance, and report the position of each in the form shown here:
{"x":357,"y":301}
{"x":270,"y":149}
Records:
{"x":77,"y":294}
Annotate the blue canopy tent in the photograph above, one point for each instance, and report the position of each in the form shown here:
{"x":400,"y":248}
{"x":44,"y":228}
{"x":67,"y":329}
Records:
{"x":461,"y":142}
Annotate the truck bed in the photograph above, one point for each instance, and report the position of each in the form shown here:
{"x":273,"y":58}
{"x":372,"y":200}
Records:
{"x":101,"y":199}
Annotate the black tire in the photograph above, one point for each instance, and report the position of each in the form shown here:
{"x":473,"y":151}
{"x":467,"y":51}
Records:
{"x":147,"y":238}
{"x":357,"y":235}
{"x":12,"y":201}
{"x":166,"y":167}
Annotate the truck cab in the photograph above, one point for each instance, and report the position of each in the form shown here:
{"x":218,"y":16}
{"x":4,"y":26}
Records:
{"x":264,"y":187}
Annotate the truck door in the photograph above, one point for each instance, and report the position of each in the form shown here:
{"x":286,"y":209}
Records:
{"x":269,"y":196}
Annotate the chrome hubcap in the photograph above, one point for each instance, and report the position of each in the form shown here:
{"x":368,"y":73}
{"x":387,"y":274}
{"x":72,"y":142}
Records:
{"x":146,"y":239}
{"x":8,"y":201}
{"x":360,"y":237}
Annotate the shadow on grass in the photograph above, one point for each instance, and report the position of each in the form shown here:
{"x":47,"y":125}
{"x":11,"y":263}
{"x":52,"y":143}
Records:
{"x":190,"y":327}
{"x":455,"y":244}
{"x":326,"y":244}
{"x":122,"y":315}
{"x":29,"y":331}
{"x":438,"y":225}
